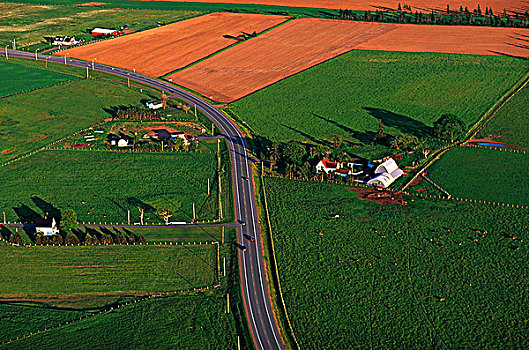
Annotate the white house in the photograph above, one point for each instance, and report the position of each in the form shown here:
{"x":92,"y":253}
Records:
{"x":326,"y":166}
{"x":48,"y":231}
{"x":386,"y":173}
{"x":154,"y":104}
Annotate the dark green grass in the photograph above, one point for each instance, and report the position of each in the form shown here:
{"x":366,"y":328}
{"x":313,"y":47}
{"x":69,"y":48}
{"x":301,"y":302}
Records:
{"x":183,"y":322}
{"x":17,"y":78}
{"x":406,"y":91}
{"x":110,"y":183}
{"x":92,"y":276}
{"x":483,"y":174}
{"x":376,"y":276}
{"x":37,"y":118}
{"x":29,"y":24}
{"x":18,"y":320}
{"x":510,"y":125}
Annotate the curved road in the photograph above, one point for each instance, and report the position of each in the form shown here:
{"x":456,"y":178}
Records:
{"x":263,"y":327}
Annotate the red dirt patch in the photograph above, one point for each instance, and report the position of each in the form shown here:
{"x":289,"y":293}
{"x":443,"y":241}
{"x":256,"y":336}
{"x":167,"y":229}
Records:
{"x":80,"y":145}
{"x":384,"y":197}
{"x":6,"y":151}
{"x":164,"y":49}
{"x":89,"y":4}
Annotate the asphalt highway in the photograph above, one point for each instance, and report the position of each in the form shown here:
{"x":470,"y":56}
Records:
{"x":265,"y":332}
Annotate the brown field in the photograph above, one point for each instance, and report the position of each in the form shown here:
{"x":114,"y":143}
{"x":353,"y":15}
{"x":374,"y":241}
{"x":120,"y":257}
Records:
{"x":518,"y":6}
{"x":162,"y":50}
{"x":275,"y":55}
{"x":303,"y":43}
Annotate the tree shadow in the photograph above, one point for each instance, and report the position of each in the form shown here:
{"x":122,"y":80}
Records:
{"x":47,"y":208}
{"x":26,"y":215}
{"x":403,"y":123}
{"x":364,"y":137}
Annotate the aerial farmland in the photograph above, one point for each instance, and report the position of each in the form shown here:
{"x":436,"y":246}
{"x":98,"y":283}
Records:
{"x":264,"y":175}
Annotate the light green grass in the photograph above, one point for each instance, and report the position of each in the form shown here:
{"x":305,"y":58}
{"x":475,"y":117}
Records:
{"x":29,"y":24}
{"x":391,"y":276}
{"x":350,"y":94}
{"x":110,"y":183}
{"x":35,"y":119}
{"x":184,"y":322}
{"x":92,"y":276}
{"x":483,"y":174}
{"x":18,"y":78}
{"x":510,"y":125}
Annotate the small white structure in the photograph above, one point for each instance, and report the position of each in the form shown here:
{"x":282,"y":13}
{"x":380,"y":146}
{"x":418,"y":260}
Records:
{"x":326,"y":166}
{"x":124,"y":143}
{"x":181,"y":135}
{"x":49,"y":231}
{"x":154,"y":104}
{"x":103,"y":31}
{"x":64,"y":41}
{"x":385,"y":174}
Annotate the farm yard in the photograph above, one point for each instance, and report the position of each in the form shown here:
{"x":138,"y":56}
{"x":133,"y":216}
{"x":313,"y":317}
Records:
{"x":29,"y":24}
{"x":303,"y":43}
{"x":37,"y":118}
{"x":102,"y":185}
{"x":182,"y":322}
{"x":346,"y":95}
{"x":90,"y":277}
{"x":177,"y":45}
{"x":425,"y":5}
{"x":483,"y":174}
{"x":33,"y":79}
{"x":427,"y":274}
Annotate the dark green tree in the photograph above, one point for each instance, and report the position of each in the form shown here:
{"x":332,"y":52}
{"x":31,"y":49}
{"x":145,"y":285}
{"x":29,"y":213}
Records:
{"x":120,"y":238}
{"x":449,"y":127}
{"x":381,"y":136}
{"x":69,"y":220}
{"x":57,"y":239}
{"x":71,"y":238}
{"x":294,"y":152}
{"x":142,"y":239}
{"x":88,"y":239}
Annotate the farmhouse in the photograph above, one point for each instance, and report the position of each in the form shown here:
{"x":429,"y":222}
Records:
{"x":326,"y":166}
{"x":386,"y":173}
{"x":64,"y":41}
{"x":48,"y":231}
{"x":103,"y":31}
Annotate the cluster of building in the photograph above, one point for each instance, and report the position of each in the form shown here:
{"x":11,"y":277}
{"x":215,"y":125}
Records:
{"x":69,"y":41}
{"x":362,"y":170}
{"x":123,"y":140}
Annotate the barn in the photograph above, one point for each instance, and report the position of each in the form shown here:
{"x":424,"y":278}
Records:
{"x":385,"y":174}
{"x":103,"y":31}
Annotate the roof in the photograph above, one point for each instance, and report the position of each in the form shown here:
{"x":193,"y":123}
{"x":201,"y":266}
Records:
{"x":389,"y":166}
{"x":328,"y":164}
{"x":384,"y":179}
{"x":103,"y":30}
{"x":343,"y":171}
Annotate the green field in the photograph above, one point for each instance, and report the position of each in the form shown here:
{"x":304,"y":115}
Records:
{"x":89,"y":277}
{"x":415,"y":276}
{"x":183,"y":322}
{"x":110,"y":183}
{"x":17,"y":78}
{"x":37,"y":118}
{"x":351,"y":93}
{"x":510,"y":124}
{"x":29,"y":24}
{"x":483,"y":174}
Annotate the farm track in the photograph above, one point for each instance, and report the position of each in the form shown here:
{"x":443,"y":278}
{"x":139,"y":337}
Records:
{"x":256,"y":298}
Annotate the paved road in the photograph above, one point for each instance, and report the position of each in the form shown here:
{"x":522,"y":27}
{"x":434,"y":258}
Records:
{"x":264,"y":329}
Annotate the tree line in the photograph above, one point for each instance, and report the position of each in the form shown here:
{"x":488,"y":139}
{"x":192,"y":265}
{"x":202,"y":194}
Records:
{"x":463,"y":16}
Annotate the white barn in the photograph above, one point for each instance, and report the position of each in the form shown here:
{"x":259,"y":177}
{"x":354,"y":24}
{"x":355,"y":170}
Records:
{"x":386,"y":173}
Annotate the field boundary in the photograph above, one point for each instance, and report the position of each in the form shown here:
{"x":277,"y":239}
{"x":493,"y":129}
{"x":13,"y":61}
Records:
{"x":275,"y":269}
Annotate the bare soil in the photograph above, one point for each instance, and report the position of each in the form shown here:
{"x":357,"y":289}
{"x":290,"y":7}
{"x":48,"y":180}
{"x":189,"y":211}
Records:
{"x":384,"y":197}
{"x":162,"y":50}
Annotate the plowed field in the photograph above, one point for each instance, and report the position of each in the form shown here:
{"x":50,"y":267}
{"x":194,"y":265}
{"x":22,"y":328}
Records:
{"x":159,"y":51}
{"x":275,"y":55}
{"x":303,"y":43}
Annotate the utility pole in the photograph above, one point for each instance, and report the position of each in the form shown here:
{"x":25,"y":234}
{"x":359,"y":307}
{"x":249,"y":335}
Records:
{"x":224,"y":274}
{"x":209,"y":193}
{"x":36,"y":57}
{"x":4,"y":217}
{"x":238,"y":343}
{"x":128,"y":81}
{"x":7,"y":56}
{"x":86,"y":72}
{"x":14,"y":44}
{"x":212,"y":129}
{"x":228,"y":303}
{"x":196,"y":117}
{"x":222,"y":234}
{"x":194,"y":214}
{"x":128,"y":217}
{"x":46,"y":62}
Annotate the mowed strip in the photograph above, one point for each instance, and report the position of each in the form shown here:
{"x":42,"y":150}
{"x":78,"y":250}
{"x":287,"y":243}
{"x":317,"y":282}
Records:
{"x":419,"y":5}
{"x":162,"y":50}
{"x":303,"y":43}
{"x":275,"y":55}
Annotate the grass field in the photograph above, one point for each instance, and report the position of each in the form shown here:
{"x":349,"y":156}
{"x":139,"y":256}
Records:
{"x":183,"y":322}
{"x":90,"y":277}
{"x":510,"y":124}
{"x":483,"y":174}
{"x":37,"y":118}
{"x":110,"y":183}
{"x":407,"y":91}
{"x":29,"y":24}
{"x":417,"y":276}
{"x":17,"y":78}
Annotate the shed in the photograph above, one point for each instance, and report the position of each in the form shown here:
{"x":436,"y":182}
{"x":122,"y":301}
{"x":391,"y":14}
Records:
{"x":103,"y":31}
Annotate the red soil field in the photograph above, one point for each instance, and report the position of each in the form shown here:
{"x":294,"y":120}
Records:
{"x":162,"y":50}
{"x":454,"y":39}
{"x":277,"y":54}
{"x":89,"y":4}
{"x":417,"y":5}
{"x":303,"y":43}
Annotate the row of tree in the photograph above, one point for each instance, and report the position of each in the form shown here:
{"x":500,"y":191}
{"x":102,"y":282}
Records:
{"x":72,"y":239}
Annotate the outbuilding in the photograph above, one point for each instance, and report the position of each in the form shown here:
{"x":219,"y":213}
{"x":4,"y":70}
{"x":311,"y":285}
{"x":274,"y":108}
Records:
{"x":48,"y":231}
{"x":385,"y":174}
{"x":103,"y":31}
